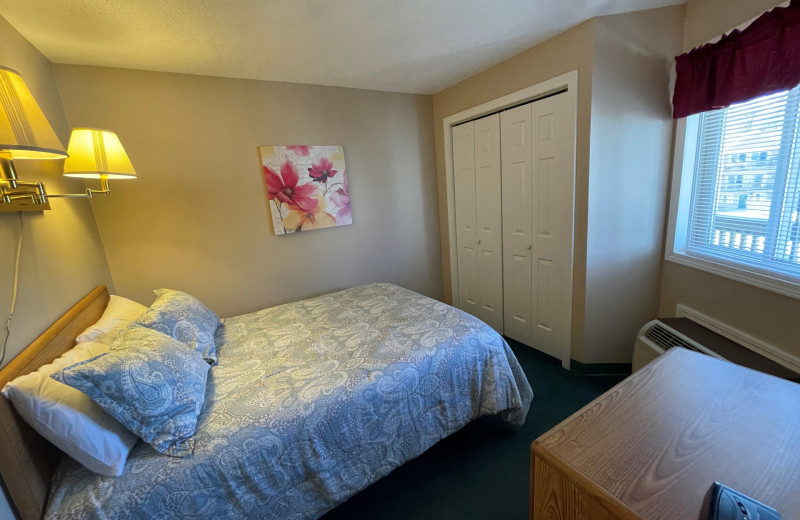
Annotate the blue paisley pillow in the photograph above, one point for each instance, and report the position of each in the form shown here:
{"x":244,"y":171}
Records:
{"x":150,"y":383}
{"x":184,"y":318}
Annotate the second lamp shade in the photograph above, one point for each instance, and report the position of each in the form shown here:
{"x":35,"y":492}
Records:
{"x":97,"y":153}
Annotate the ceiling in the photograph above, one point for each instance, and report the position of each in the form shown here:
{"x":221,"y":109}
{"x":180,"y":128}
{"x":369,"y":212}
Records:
{"x":416,"y":46}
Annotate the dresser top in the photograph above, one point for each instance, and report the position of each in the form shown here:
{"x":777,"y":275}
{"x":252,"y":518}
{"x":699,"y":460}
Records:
{"x":657,"y":441}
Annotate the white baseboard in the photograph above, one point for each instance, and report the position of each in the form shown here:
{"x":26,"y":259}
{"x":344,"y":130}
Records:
{"x":767,"y":350}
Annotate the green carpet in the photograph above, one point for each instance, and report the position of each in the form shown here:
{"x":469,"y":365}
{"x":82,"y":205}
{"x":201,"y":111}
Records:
{"x":481,"y":471}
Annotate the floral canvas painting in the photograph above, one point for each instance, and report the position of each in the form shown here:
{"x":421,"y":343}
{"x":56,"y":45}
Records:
{"x":306,"y":187}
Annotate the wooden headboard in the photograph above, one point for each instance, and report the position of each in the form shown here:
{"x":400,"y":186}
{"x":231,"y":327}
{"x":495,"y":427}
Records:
{"x":27,"y":461}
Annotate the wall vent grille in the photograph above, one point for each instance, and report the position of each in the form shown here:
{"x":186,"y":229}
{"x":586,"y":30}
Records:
{"x":665,"y":339}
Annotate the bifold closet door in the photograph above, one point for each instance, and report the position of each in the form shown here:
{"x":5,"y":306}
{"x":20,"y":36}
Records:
{"x":517,"y":154}
{"x":538,"y":201}
{"x":479,"y":236}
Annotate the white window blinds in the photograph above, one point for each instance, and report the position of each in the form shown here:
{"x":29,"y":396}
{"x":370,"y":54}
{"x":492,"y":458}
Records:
{"x":745,"y":207}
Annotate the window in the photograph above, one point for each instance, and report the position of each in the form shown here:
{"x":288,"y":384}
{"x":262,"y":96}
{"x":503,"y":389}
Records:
{"x":748,"y":153}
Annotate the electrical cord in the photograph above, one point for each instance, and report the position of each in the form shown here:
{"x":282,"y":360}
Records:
{"x":13,"y":292}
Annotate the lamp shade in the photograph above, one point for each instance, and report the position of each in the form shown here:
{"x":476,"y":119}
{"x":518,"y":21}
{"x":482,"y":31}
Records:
{"x":24,"y":130}
{"x":94,"y":154}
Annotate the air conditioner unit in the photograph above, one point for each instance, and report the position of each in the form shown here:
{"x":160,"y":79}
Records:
{"x":656,"y":337}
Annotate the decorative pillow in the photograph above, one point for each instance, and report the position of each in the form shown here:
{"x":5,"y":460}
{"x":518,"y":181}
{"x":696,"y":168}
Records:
{"x":150,"y":383}
{"x":70,"y":419}
{"x":119,"y":313}
{"x":184,"y":318}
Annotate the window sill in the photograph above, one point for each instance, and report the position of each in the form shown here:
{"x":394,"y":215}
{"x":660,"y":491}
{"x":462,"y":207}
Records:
{"x":780,"y":286}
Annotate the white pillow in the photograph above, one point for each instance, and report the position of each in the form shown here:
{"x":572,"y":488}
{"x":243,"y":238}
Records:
{"x":69,"y":418}
{"x":118,"y":314}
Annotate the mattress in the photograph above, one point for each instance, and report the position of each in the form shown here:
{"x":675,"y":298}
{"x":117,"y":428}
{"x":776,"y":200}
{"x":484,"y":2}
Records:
{"x":309,"y":403}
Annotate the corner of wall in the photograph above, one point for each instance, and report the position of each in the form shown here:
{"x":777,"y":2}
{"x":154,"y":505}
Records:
{"x":631,"y":135}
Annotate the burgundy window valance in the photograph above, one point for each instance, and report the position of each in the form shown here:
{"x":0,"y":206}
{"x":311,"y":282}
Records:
{"x":761,"y":59}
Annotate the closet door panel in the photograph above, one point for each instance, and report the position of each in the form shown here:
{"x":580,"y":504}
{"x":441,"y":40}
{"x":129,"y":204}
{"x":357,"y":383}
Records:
{"x":552,"y":221}
{"x":489,"y":221}
{"x":516,"y":152}
{"x":466,"y":217}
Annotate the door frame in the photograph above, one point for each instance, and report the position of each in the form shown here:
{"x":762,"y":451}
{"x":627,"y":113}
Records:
{"x":568,"y":81}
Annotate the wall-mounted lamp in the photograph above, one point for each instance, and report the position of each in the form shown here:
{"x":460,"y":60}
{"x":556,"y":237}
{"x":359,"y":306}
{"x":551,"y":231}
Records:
{"x":96,"y":154}
{"x":26,"y":134}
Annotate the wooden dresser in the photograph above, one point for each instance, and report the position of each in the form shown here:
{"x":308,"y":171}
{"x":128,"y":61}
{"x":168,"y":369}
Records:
{"x":652,"y":446}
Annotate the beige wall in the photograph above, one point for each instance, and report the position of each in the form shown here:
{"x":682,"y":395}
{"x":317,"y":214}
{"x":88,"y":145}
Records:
{"x":571,"y":50}
{"x":631,"y":140}
{"x":62,"y":258}
{"x":197,"y":218}
{"x":769,"y":316}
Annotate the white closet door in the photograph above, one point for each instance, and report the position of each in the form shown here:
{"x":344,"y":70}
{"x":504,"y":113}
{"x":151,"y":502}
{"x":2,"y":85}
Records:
{"x":538,"y":201}
{"x":479,"y":234}
{"x":466,"y":217}
{"x":489,"y":221}
{"x":517,"y":154}
{"x":552,"y":225}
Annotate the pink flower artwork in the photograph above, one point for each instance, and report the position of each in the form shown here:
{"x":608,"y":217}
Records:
{"x":306,"y":187}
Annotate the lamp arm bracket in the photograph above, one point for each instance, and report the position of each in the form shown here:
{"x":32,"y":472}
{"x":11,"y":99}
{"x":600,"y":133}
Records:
{"x":89,"y":194}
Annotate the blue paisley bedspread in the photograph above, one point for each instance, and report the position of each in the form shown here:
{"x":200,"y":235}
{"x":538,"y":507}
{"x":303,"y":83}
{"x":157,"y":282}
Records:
{"x":310,"y":403}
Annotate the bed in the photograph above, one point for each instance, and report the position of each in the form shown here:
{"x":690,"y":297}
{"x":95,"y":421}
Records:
{"x":309,"y":403}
